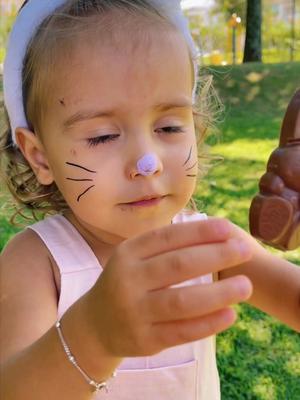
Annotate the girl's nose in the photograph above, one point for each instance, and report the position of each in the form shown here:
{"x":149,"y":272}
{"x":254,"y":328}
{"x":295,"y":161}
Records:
{"x":148,"y":164}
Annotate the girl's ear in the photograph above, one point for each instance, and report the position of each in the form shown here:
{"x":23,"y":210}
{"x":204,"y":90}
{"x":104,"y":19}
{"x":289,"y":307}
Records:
{"x":33,"y":150}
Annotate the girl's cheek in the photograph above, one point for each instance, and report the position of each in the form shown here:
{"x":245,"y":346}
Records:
{"x":73,"y":153}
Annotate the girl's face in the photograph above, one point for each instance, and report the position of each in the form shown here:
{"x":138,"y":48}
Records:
{"x":109,"y":107}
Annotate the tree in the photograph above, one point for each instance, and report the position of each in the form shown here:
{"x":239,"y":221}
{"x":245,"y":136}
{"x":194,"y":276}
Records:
{"x":253,"y":46}
{"x":229,"y":7}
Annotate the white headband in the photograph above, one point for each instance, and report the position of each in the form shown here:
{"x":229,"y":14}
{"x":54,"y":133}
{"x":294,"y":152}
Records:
{"x":27,"y":22}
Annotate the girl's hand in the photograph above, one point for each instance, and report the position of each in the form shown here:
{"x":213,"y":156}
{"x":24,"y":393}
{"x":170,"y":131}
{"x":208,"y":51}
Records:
{"x":134,"y":309}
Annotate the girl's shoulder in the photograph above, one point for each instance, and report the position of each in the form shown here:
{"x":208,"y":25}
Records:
{"x":23,"y":244}
{"x":27,"y":290}
{"x":24,"y":253}
{"x":27,"y":259}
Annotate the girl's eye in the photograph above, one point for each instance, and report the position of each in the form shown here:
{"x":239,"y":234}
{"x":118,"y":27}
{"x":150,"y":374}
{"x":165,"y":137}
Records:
{"x":171,"y":129}
{"x":92,"y":142}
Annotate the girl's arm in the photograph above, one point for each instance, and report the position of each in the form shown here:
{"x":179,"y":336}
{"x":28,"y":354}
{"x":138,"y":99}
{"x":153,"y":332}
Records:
{"x":131,"y":310}
{"x":276,"y":284}
{"x":34,"y":365}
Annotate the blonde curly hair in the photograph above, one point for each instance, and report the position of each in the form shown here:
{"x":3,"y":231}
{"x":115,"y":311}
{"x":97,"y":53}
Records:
{"x":30,"y":199}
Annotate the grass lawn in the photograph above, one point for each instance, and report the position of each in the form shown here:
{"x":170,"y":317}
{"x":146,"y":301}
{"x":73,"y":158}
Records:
{"x":258,"y":358}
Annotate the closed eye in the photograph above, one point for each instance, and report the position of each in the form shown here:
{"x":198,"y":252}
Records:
{"x":92,"y":142}
{"x":171,"y":129}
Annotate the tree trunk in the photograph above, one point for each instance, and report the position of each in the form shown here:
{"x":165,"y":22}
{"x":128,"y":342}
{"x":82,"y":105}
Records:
{"x":253,"y":31}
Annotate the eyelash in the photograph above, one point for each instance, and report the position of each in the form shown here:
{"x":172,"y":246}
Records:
{"x":93,"y":142}
{"x":172,"y":129}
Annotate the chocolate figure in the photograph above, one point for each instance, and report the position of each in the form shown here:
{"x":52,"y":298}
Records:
{"x":275,"y":211}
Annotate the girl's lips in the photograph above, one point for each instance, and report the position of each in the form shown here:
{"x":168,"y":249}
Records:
{"x":145,"y":203}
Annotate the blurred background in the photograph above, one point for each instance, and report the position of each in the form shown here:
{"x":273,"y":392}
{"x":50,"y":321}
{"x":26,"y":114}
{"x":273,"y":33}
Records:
{"x":220,"y":25}
{"x":251,"y":49}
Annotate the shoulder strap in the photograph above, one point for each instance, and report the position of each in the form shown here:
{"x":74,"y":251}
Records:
{"x":68,"y":248}
{"x":188,"y":216}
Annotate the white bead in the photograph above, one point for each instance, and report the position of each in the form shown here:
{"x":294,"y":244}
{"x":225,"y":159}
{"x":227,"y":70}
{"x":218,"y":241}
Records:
{"x":97,"y":386}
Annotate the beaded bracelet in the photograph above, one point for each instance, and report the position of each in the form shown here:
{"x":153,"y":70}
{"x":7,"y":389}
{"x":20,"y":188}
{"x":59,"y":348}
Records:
{"x":96,"y":386}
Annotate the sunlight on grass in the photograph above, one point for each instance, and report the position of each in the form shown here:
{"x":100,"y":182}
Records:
{"x":258,"y":331}
{"x":258,"y":150}
{"x":232,"y":183}
{"x":225,"y":346}
{"x":253,"y":93}
{"x":265,"y":388}
{"x":255,"y":77}
{"x":293,"y":365}
{"x":287,"y":345}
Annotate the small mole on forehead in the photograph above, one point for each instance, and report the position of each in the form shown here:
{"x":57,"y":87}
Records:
{"x":62,"y":102}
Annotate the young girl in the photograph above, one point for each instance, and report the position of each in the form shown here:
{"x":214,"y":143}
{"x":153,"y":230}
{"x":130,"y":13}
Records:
{"x":115,"y":290}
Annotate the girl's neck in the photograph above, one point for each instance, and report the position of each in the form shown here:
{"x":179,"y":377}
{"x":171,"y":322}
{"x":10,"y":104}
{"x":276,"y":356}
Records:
{"x":102,"y":247}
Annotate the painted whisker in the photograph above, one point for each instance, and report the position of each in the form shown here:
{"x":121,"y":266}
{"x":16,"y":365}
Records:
{"x":78,"y":198}
{"x":80,"y":180}
{"x":79,"y":166}
{"x":193,"y":166}
{"x":188,"y":157}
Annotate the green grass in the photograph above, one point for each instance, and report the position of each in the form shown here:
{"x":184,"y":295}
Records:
{"x":6,"y":231}
{"x":259,"y":358}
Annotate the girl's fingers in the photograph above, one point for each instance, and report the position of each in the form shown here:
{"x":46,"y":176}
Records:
{"x":178,"y":332}
{"x":177,"y":266}
{"x":196,"y":301}
{"x":178,"y":236}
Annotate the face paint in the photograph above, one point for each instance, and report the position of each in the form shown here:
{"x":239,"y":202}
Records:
{"x":79,"y":166}
{"x":147,"y":165}
{"x":81,"y":179}
{"x":193,"y":166}
{"x":188,"y":157}
{"x":78,"y":198}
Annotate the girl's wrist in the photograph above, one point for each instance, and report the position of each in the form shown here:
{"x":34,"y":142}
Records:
{"x":95,"y":386}
{"x":82,"y":339}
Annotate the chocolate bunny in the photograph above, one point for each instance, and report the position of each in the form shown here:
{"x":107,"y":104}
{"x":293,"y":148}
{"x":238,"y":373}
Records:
{"x":275,"y":212}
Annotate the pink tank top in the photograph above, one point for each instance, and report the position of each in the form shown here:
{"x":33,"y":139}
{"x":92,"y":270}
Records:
{"x":185,"y":372}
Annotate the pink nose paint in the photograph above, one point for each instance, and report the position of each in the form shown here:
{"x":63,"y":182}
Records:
{"x":147,"y":165}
